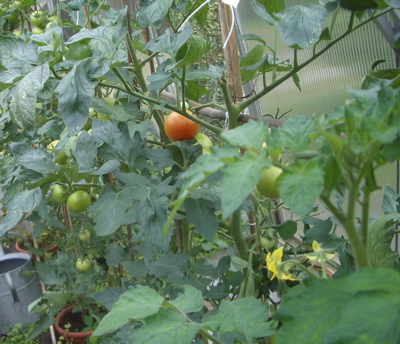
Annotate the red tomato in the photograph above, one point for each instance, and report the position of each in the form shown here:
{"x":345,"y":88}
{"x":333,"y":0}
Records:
{"x":180,"y":128}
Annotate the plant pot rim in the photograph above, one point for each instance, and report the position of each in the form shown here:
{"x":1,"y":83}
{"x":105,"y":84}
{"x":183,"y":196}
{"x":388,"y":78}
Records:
{"x":63,"y":332}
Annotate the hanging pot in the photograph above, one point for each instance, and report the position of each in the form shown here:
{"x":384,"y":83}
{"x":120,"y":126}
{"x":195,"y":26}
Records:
{"x":70,"y":337}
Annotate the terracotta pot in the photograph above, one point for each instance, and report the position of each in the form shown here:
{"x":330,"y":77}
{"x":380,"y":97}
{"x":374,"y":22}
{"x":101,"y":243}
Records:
{"x":71,"y":337}
{"x":51,"y":249}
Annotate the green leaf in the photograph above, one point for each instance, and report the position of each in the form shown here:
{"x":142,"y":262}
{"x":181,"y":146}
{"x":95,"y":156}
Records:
{"x":250,"y":135}
{"x":85,"y":152}
{"x":240,"y":178}
{"x":137,"y":303}
{"x":166,"y":327}
{"x":287,"y":229}
{"x":297,"y":132}
{"x":48,"y":274}
{"x":381,"y":233}
{"x":191,"y":300}
{"x":248,"y":316}
{"x":110,"y":210}
{"x":301,"y":185}
{"x":251,"y":58}
{"x":75,"y":91}
{"x":391,"y":200}
{"x":16,"y":54}
{"x":26,"y":200}
{"x":194,"y":50}
{"x":201,"y":213}
{"x":9,"y":221}
{"x":262,"y":12}
{"x":362,"y":308}
{"x":153,"y":13}
{"x":170,"y":266}
{"x":170,"y":42}
{"x":78,"y":51}
{"x":23,"y":102}
{"x":108,"y":297}
{"x":292,"y":29}
{"x":37,"y":160}
{"x":114,"y":254}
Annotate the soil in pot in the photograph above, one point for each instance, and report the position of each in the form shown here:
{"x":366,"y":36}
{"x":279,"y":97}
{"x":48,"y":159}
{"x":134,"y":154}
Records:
{"x":69,"y":325}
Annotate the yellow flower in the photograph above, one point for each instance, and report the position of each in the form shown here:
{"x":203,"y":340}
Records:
{"x":320,"y":255}
{"x":278,"y":268}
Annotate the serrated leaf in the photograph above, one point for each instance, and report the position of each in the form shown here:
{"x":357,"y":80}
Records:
{"x":37,"y":160}
{"x":381,"y":233}
{"x":201,"y":213}
{"x":247,"y":315}
{"x":114,"y":254}
{"x":48,"y":274}
{"x":191,"y":300}
{"x":26,"y":200}
{"x":287,"y":229}
{"x":76,"y":89}
{"x":23,"y":102}
{"x":153,"y":13}
{"x":196,"y":48}
{"x":110,"y":210}
{"x":108,"y":297}
{"x":362,"y":308}
{"x":12,"y":218}
{"x":166,"y":327}
{"x":137,"y":303}
{"x":107,"y":167}
{"x":391,"y":200}
{"x":297,"y":132}
{"x":292,"y":29}
{"x":85,"y":152}
{"x":16,"y":54}
{"x":301,"y":186}
{"x":250,"y":135}
{"x":169,"y":266}
{"x":170,"y":42}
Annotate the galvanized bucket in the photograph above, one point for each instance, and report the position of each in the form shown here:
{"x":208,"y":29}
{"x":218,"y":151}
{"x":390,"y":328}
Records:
{"x":19,"y":286}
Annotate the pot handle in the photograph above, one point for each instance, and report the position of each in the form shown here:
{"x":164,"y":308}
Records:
{"x":17,"y":303}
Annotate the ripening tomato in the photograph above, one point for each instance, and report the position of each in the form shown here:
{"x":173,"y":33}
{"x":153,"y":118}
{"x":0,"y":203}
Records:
{"x":78,"y":201}
{"x":180,"y":128}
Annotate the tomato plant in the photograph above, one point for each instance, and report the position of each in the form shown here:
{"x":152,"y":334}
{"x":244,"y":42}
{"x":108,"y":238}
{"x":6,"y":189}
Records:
{"x":267,"y":183}
{"x":78,"y":201}
{"x":59,"y":193}
{"x":83,"y":264}
{"x":180,"y":128}
{"x":267,"y":243}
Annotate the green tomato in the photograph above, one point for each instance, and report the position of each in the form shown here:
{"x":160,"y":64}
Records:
{"x":59,"y":193}
{"x":62,"y":159}
{"x":83,"y":264}
{"x":267,"y":243}
{"x":13,"y":16}
{"x":18,"y":4}
{"x":84,"y":235}
{"x":37,"y":31}
{"x":267,"y":183}
{"x":78,"y":201}
{"x":205,"y":142}
{"x":38,"y":18}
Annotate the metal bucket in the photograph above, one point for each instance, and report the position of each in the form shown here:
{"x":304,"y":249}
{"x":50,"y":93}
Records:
{"x":19,"y":286}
